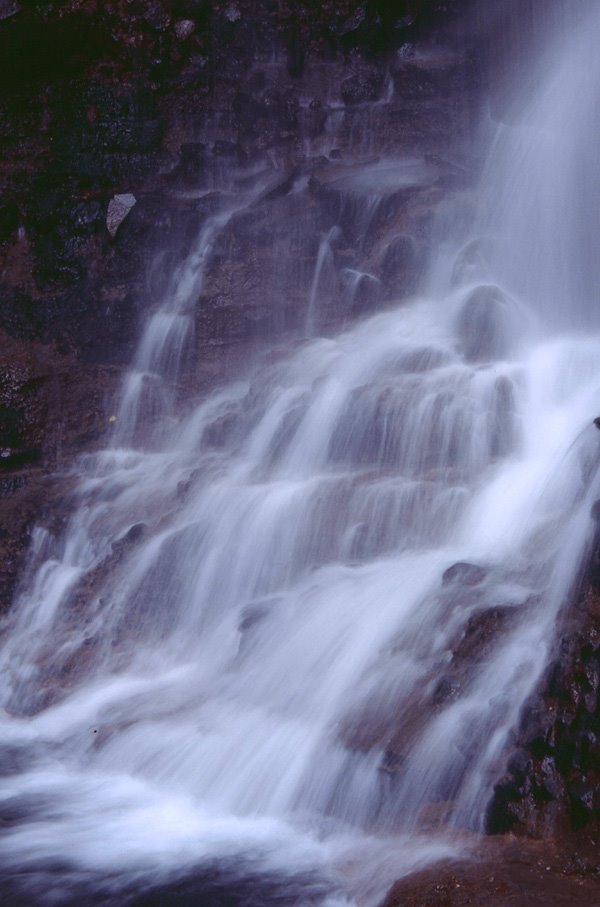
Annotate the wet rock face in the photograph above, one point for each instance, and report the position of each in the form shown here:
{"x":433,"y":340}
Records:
{"x":507,"y":873}
{"x":361,"y":89}
{"x":155,"y":98}
{"x":483,"y":325}
{"x":464,"y":573}
{"x":50,"y":408}
{"x":552,"y":779}
{"x":476,"y":628}
{"x":154,"y":101}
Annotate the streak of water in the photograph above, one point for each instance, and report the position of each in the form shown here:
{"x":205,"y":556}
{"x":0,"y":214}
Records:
{"x":324,"y":259}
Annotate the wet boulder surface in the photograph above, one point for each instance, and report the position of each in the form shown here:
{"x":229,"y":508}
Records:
{"x":507,"y":872}
{"x":552,"y":779}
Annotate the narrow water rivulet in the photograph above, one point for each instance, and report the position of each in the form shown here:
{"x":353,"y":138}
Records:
{"x":281,"y":644}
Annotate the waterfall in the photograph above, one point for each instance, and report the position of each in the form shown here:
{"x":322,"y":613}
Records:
{"x":282,"y":642}
{"x":543,"y":198}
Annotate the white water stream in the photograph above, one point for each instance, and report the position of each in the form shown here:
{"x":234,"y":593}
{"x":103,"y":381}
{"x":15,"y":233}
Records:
{"x":247,"y":650}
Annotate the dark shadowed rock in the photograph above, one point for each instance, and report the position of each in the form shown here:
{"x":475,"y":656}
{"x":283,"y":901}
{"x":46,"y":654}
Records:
{"x":465,"y":574}
{"x":133,"y":535}
{"x":192,"y":165}
{"x":9,"y":219}
{"x":482,"y":633}
{"x":447,"y":690}
{"x":8,"y":8}
{"x":313,"y":118}
{"x":483,"y":326}
{"x":556,"y":781}
{"x":362,"y":88}
{"x":401,"y":265}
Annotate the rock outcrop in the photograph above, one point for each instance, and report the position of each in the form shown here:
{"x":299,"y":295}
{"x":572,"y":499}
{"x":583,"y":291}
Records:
{"x":103,"y":104}
{"x":552,"y":782}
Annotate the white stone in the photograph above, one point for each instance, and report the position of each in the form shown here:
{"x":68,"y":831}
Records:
{"x":9,"y":8}
{"x":118,"y":208}
{"x":232,"y":12}
{"x":184,"y":28}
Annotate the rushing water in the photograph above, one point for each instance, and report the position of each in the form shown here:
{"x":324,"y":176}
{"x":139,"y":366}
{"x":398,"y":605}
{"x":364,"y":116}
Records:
{"x":280,"y":646}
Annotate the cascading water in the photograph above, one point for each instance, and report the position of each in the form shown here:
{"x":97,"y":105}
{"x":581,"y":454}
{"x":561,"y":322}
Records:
{"x":283,"y":639}
{"x":324,"y":258}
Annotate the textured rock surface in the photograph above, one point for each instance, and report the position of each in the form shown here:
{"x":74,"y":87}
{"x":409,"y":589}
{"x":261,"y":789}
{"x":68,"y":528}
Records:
{"x":51,"y":408}
{"x":508,"y":873}
{"x":154,"y":101}
{"x":553,"y":774}
{"x":150,"y":98}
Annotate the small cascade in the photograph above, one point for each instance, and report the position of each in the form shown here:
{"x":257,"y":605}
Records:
{"x":323,"y":263}
{"x":363,"y":290}
{"x":150,"y":390}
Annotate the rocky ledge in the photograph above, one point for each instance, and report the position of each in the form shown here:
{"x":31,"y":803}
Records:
{"x":508,"y":872}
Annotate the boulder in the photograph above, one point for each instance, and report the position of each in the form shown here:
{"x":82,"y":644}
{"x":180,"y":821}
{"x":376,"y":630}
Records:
{"x":118,"y":209}
{"x":464,"y":574}
{"x":362,"y":88}
{"x":8,"y":8}
{"x":184,"y":28}
{"x":483,"y":325}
